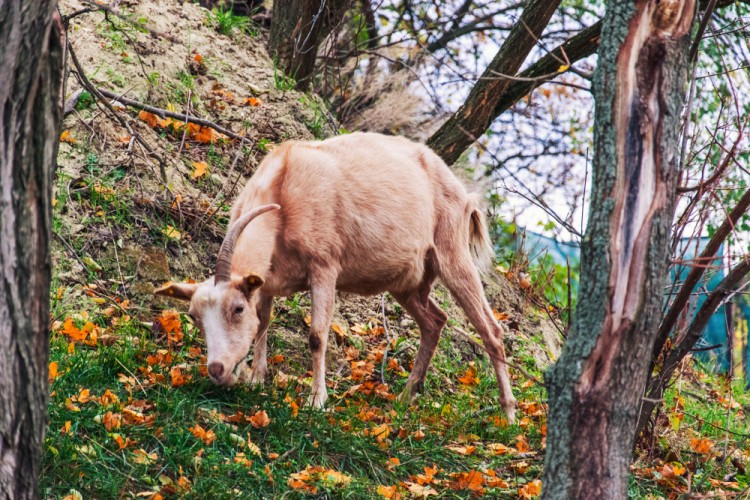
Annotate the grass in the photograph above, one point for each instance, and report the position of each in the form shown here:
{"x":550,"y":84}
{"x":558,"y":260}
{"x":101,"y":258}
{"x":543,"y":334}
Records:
{"x":226,"y":22}
{"x":361,"y":435}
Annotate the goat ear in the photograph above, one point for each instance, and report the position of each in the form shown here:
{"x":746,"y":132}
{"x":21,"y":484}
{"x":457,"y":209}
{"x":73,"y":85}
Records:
{"x":182,"y":291}
{"x":250,"y":283}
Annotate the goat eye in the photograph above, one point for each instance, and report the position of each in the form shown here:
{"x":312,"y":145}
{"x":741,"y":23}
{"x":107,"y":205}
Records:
{"x":239,"y":309}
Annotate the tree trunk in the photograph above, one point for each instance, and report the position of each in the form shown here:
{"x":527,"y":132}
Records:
{"x":475,"y":115}
{"x":30,"y":112}
{"x":297,"y":29}
{"x":595,"y":388}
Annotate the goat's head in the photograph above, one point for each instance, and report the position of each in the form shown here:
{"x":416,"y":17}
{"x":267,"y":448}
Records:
{"x":224,"y":307}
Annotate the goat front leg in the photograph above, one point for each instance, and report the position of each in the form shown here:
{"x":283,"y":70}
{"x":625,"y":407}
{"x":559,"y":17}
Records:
{"x":323,"y":296}
{"x":259,"y":371}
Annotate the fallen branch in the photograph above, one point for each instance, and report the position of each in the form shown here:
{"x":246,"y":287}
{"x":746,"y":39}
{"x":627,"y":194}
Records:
{"x":169,"y":114}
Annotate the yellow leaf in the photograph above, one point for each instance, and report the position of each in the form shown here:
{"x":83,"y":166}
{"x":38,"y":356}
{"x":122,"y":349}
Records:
{"x":563,"y":68}
{"x":199,"y":169}
{"x":171,"y":233}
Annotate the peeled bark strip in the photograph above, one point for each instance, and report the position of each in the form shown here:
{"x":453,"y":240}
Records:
{"x":30,"y":112}
{"x":596,"y":386}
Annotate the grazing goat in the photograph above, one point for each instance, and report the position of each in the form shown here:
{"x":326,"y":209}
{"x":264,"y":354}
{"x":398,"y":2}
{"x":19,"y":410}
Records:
{"x":361,"y":213}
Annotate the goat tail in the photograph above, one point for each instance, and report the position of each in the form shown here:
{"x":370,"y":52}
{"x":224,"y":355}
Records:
{"x":479,"y":237}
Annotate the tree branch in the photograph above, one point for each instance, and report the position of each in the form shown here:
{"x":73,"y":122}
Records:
{"x":476,"y":114}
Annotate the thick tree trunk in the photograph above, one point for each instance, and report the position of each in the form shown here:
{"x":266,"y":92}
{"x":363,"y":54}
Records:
{"x":475,"y":115}
{"x":595,"y":388}
{"x":30,"y":111}
{"x":297,"y":29}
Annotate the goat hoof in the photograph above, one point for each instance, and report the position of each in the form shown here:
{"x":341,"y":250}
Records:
{"x":256,"y":377}
{"x":510,"y":411}
{"x":317,"y":400}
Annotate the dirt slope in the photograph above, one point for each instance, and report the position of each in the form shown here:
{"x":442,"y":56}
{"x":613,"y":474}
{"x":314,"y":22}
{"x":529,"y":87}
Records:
{"x":120,"y":226}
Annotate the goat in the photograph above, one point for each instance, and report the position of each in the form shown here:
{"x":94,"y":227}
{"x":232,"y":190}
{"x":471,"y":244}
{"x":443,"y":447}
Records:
{"x":362,"y":213}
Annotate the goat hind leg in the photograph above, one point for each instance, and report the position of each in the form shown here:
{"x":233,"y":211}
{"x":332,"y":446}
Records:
{"x":462,"y":279}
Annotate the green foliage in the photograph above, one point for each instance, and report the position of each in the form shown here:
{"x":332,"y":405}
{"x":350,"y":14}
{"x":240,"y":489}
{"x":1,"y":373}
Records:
{"x":85,"y":101}
{"x":281,"y":81}
{"x":226,"y":22}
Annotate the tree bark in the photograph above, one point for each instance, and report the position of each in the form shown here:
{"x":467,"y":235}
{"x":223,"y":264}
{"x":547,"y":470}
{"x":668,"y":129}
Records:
{"x":595,"y":388}
{"x":297,"y":29}
{"x":30,"y":112}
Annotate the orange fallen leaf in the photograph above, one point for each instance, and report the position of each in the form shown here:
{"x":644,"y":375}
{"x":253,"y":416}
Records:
{"x":522,"y":445}
{"x":112,"y":421}
{"x":252,"y":101}
{"x":275,"y":360}
{"x":530,"y":490}
{"x":702,"y":446}
{"x":199,"y":169}
{"x":463,"y":450}
{"x":260,"y":419}
{"x":178,"y":378}
{"x":149,"y":118}
{"x":389,"y":492}
{"x":470,"y":377}
{"x":52,"y":371}
{"x":65,"y":137}
{"x":207,"y":436}
{"x":472,"y":480}
{"x":500,"y":316}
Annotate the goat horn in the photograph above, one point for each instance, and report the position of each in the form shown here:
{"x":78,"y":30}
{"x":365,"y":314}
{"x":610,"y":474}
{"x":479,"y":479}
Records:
{"x":224,"y":260}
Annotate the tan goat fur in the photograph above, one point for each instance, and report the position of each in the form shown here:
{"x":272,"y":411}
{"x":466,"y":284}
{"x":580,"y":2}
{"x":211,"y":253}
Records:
{"x":362,"y":213}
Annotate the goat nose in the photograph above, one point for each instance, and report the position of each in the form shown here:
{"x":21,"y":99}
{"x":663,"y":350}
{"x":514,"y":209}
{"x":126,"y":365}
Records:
{"x":215,"y":370}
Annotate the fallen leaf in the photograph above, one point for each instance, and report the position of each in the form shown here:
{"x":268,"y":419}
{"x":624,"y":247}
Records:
{"x":260,"y":419}
{"x":207,"y":436}
{"x":470,"y":377}
{"x":530,"y":490}
{"x":199,"y":169}
{"x":149,"y":118}
{"x":178,"y":378}
{"x":390,"y":492}
{"x":171,"y":233}
{"x":141,"y":456}
{"x":65,"y":137}
{"x":463,"y":450}
{"x":702,"y":446}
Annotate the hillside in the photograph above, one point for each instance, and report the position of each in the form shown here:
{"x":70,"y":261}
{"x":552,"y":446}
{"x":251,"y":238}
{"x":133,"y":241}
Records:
{"x":141,"y":199}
